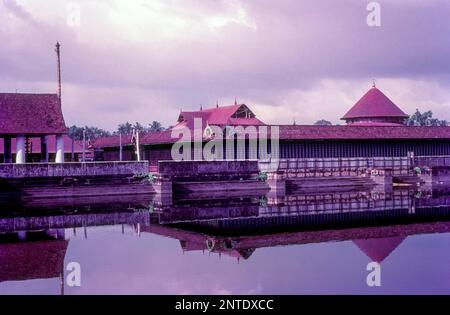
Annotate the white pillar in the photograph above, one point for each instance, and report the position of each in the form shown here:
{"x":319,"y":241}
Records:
{"x":120,"y":147}
{"x":138,"y":148}
{"x":20,"y":150}
{"x":59,"y":149}
{"x":84,"y":146}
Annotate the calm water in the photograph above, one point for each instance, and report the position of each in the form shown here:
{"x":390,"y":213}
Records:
{"x":257,"y":245}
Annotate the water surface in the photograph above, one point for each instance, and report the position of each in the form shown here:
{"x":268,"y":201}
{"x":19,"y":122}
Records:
{"x":242,"y":246}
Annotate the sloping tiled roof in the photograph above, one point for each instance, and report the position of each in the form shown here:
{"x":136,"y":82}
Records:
{"x":51,"y":145}
{"x":374,"y":104}
{"x":308,"y":132}
{"x":352,"y":132}
{"x":31,"y":114}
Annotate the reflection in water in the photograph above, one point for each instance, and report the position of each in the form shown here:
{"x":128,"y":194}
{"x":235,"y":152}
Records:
{"x":41,"y":256}
{"x":34,"y":238}
{"x":378,"y":249}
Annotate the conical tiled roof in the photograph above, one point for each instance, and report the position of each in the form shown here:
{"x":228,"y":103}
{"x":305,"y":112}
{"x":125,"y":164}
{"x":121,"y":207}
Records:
{"x":374,"y":104}
{"x":378,"y":249}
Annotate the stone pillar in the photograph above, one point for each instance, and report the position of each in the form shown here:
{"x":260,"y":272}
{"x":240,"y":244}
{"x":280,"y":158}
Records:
{"x":277,"y":183}
{"x":59,"y":149}
{"x":61,"y":234}
{"x":20,"y":150}
{"x":44,"y":149}
{"x":383,"y":178}
{"x":7,"y":152}
{"x":163,"y":186}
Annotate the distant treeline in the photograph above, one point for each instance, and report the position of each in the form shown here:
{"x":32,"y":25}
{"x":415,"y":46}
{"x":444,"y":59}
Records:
{"x":417,"y":119}
{"x":127,"y":128}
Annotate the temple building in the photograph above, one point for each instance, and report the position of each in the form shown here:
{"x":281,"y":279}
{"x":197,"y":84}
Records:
{"x":32,"y":128}
{"x":374,"y":128}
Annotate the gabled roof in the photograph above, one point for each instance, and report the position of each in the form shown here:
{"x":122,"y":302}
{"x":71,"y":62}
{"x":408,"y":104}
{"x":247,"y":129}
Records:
{"x":219,"y":116}
{"x":374,"y":104}
{"x":31,"y":114}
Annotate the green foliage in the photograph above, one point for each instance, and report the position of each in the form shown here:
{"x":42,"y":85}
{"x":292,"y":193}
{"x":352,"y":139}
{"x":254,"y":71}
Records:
{"x":92,"y":133}
{"x":146,"y":176}
{"x":262,"y":176}
{"x":155,"y":126}
{"x":137,"y":126}
{"x":126,"y":128}
{"x":323,"y":122}
{"x":263,"y":201}
{"x":424,"y":119}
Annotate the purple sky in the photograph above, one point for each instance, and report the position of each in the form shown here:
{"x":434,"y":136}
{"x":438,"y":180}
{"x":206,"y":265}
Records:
{"x":287,"y":59}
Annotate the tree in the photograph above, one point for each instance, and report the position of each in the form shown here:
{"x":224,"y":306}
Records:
{"x":94,"y":133}
{"x":76,"y":132}
{"x":424,"y":119}
{"x":137,"y":126}
{"x":125,"y":128}
{"x":155,"y":126}
{"x":323,"y":122}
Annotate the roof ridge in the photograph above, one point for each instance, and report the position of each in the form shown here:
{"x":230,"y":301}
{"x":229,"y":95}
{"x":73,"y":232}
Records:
{"x":211,"y":109}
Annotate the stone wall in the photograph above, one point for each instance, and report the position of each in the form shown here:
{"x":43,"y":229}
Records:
{"x":72,"y":169}
{"x":432,"y":161}
{"x":204,"y":168}
{"x":317,"y":167}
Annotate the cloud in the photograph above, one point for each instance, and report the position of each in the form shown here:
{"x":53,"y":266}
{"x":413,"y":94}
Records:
{"x":331,"y":99}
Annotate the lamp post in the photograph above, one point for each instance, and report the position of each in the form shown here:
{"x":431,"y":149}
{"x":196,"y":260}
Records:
{"x":84,"y":145}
